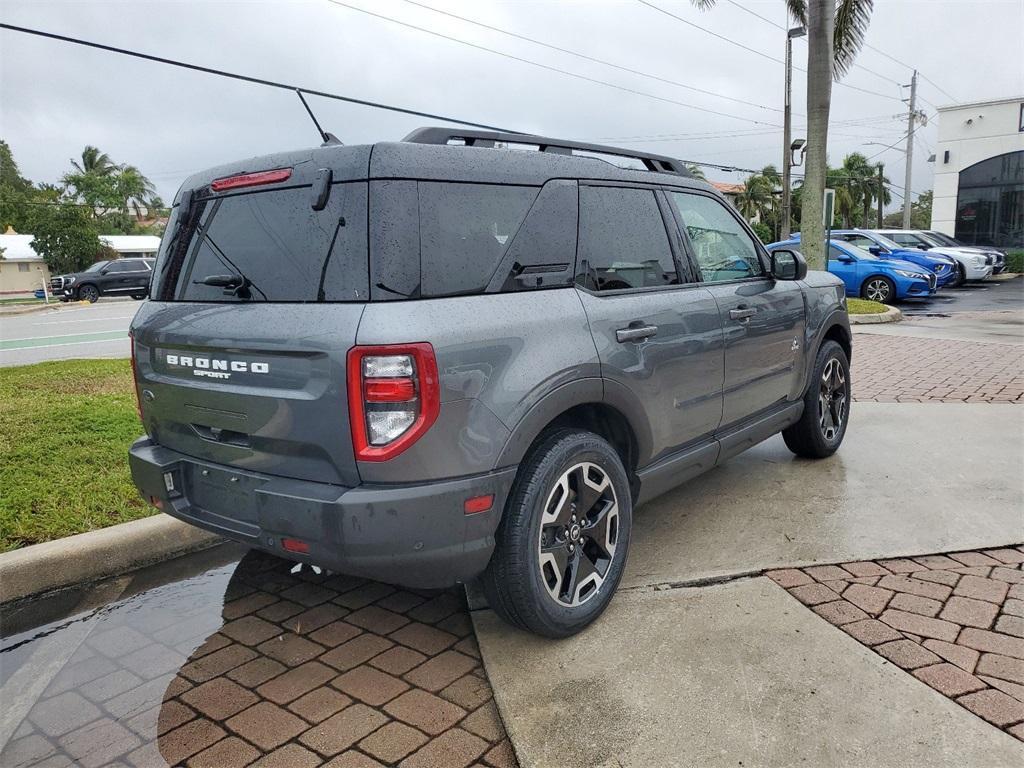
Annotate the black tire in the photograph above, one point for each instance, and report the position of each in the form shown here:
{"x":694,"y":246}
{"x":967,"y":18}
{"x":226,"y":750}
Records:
{"x":138,"y":296}
{"x":961,"y":276}
{"x":521,"y":581}
{"x":89,"y":293}
{"x":811,"y":437}
{"x":875,"y":286}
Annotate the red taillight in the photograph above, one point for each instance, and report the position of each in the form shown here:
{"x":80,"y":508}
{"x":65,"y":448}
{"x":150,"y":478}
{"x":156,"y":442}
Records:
{"x":394,"y":396}
{"x":251,"y":179}
{"x":135,"y":375}
{"x":295,"y":545}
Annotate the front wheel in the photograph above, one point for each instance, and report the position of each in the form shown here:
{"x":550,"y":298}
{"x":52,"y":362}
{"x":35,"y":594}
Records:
{"x":561,"y":546}
{"x":821,"y":428}
{"x":879,"y":289}
{"x":89,"y":293}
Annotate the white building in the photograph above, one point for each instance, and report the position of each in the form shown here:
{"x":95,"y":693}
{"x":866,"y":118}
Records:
{"x":979,"y":173}
{"x":23,"y":271}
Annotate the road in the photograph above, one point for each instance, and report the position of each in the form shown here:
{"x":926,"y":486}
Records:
{"x":79,"y":330}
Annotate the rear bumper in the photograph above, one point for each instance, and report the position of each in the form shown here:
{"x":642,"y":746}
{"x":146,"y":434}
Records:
{"x":412,"y":535}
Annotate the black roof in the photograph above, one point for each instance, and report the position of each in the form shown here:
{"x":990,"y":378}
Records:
{"x":428,"y":154}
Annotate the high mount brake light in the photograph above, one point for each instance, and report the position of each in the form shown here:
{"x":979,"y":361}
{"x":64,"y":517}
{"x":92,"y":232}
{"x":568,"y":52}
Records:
{"x":394,"y":397}
{"x":251,"y":179}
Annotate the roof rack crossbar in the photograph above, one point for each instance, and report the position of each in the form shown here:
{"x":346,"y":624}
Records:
{"x":476,"y":138}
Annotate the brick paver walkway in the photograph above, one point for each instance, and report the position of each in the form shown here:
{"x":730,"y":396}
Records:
{"x":955,"y":622}
{"x":306,"y":670}
{"x":908,"y":369}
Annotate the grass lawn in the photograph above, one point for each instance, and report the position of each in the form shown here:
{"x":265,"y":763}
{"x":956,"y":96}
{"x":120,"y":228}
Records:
{"x":864,"y":307}
{"x":21,"y":300}
{"x":65,"y":428}
{"x":1015,"y":261}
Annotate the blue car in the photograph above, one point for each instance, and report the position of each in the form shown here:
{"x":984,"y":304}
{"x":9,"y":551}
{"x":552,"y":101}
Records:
{"x":867,"y":276}
{"x":944,"y":267}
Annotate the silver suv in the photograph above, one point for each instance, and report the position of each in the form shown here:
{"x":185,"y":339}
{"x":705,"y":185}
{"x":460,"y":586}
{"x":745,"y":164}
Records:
{"x":442,"y":358}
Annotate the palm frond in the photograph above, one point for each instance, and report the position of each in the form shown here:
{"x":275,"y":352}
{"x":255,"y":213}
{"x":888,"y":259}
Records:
{"x":798,"y":10}
{"x":852,"y":19}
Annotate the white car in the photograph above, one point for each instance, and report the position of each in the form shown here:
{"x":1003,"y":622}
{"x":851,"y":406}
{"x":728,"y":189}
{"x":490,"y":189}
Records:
{"x":975,"y":263}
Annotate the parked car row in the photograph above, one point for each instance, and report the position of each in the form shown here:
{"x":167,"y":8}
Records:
{"x":893,"y":265}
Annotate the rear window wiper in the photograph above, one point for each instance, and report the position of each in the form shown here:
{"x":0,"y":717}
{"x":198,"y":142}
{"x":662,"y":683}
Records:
{"x":238,"y":284}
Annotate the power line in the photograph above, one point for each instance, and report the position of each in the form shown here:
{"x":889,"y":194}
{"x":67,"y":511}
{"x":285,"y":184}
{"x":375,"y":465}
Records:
{"x":783,"y":27}
{"x":247,"y":78}
{"x":585,"y":57}
{"x":547,"y":67}
{"x":754,"y":50}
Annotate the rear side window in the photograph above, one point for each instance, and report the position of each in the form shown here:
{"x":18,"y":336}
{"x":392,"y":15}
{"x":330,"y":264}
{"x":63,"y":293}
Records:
{"x":622,"y":241}
{"x":272,"y":243}
{"x":465,"y":230}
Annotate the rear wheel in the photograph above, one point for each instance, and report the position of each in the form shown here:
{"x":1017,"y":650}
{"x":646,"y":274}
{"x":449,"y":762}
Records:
{"x":561,"y":546}
{"x":89,"y":293}
{"x":879,"y":289}
{"x":822,"y":426}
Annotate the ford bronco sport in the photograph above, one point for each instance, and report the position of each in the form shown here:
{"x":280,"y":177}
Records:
{"x":469,"y":354}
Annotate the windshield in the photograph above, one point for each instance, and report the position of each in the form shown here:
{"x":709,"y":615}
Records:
{"x":859,"y":252}
{"x":97,"y":266}
{"x":937,"y":238}
{"x":885,"y":242}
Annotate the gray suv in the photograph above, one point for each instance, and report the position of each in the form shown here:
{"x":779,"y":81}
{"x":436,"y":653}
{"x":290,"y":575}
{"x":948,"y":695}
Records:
{"x":469,"y":354}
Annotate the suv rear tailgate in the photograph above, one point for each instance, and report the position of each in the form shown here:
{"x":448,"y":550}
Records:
{"x":257,"y":386}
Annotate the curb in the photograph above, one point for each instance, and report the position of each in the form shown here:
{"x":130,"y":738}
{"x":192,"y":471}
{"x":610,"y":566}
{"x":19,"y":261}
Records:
{"x":891,"y":315}
{"x":1003,"y":277}
{"x":28,"y":309}
{"x":95,"y":555}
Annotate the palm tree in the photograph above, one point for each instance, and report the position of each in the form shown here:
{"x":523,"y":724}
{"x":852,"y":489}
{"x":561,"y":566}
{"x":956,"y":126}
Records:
{"x":135,"y":190}
{"x":835,"y":33}
{"x":695,"y":171}
{"x":94,"y":162}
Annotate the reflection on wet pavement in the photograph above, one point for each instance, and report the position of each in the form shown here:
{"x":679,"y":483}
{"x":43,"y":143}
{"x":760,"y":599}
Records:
{"x":225,"y":658}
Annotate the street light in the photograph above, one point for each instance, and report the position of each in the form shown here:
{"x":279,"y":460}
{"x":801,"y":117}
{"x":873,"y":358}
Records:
{"x":787,"y":143}
{"x":798,"y":146}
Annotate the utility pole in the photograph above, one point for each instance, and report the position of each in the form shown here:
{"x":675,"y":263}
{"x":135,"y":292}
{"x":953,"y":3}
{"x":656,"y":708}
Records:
{"x":881,"y":194}
{"x":787,"y":122}
{"x":910,"y":150}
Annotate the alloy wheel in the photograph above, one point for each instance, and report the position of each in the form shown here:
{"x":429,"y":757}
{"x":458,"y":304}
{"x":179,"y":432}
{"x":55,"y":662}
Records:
{"x":578,"y":534}
{"x":832,"y":396}
{"x":89,"y":293}
{"x":878,"y":290}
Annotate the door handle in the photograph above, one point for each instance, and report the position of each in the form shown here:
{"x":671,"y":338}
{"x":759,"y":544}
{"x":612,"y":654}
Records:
{"x":742,"y":313}
{"x":638,"y":333}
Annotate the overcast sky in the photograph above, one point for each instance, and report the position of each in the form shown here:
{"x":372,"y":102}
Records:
{"x":55,"y":98}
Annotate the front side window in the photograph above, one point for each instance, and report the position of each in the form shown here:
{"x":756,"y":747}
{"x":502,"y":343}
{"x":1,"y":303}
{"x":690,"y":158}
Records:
{"x":906,"y":239}
{"x":859,"y":240}
{"x":723,"y":249}
{"x":622,"y":240}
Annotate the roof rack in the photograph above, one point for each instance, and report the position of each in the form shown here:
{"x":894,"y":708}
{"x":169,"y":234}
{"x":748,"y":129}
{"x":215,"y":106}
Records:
{"x":472,"y":138}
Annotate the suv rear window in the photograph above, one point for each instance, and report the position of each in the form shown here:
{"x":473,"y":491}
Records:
{"x":273,"y":239}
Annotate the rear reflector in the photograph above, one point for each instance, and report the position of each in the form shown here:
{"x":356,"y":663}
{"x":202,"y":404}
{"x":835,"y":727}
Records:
{"x":294,"y":545}
{"x":478,"y":504}
{"x":251,"y":179}
{"x":389,"y":390}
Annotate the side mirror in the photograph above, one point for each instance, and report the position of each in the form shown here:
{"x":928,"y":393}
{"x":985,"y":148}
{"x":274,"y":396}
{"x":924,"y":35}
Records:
{"x":876,"y":250}
{"x":844,"y":259}
{"x":788,"y":265}
{"x":923,"y":246}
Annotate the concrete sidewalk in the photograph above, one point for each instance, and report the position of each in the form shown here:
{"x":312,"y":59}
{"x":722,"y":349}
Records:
{"x":911,"y":478}
{"x":738,"y":674}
